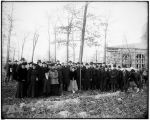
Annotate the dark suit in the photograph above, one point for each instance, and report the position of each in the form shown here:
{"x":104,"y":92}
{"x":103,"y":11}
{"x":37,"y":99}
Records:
{"x":21,"y":86}
{"x":113,"y":79}
{"x":98,"y":78}
{"x":120,"y":79}
{"x":125,"y":81}
{"x":66,"y":77}
{"x":87,"y":77}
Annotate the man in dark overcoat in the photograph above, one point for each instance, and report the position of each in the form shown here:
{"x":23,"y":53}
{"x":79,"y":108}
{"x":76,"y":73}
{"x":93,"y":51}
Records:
{"x":78,"y":74}
{"x":102,"y":78}
{"x":41,"y":76}
{"x":66,"y":77}
{"x":33,"y":82}
{"x":98,"y":77}
{"x":87,"y":77}
{"x":14,"y":70}
{"x":22,"y":79}
{"x":119,"y":80}
{"x":113,"y":78}
{"x":125,"y":79}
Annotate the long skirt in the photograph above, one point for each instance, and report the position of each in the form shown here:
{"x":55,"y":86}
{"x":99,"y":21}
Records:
{"x":21,"y":90}
{"x":47,"y":87}
{"x":73,"y":86}
{"x":55,"y":89}
{"x":33,"y":89}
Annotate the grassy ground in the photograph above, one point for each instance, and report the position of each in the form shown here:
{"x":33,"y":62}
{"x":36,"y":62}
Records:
{"x":87,"y":104}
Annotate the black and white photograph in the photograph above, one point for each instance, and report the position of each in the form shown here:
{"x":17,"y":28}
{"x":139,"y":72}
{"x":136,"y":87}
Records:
{"x":74,"y":59}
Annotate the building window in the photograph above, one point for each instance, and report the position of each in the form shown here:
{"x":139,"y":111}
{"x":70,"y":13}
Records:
{"x":126,"y":60}
{"x":140,"y":58}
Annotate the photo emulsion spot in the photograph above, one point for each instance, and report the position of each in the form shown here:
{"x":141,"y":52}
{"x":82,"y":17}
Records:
{"x":73,"y":59}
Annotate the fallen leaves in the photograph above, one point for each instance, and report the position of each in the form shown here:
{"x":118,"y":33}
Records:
{"x":83,"y":114}
{"x":64,"y":114}
{"x":87,"y":104}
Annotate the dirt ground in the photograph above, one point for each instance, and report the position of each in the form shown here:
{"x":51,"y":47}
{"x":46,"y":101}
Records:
{"x":84,"y":104}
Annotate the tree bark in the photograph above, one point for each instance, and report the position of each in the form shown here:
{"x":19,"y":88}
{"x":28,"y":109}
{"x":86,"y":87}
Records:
{"x":55,"y":44}
{"x":14,"y":54}
{"x":82,"y":40}
{"x":10,"y":19}
{"x":83,"y":33}
{"x":35,"y":39}
{"x":105,"y":44}
{"x":67,"y":46}
{"x":23,"y":46}
{"x":49,"y":54}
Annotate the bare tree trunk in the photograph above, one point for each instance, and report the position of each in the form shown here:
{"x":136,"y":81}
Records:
{"x":35,"y":40}
{"x":96,"y":55}
{"x":83,"y":33}
{"x":14,"y":54}
{"x":24,"y":40}
{"x":49,"y":54}
{"x":32,"y":54}
{"x":82,"y":40}
{"x":55,"y":45}
{"x":18,"y":49}
{"x":10,"y":19}
{"x":67,"y":46}
{"x":105,"y":44}
{"x":73,"y":48}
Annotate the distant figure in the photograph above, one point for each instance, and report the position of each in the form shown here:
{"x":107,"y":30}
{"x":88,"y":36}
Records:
{"x":14,"y":70}
{"x":8,"y":69}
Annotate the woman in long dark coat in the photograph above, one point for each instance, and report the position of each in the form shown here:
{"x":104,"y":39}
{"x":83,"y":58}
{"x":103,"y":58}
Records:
{"x":47,"y":82}
{"x":22,"y":79}
{"x":33,"y":82}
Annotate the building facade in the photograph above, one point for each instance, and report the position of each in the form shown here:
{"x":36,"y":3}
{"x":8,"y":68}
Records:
{"x":131,"y":57}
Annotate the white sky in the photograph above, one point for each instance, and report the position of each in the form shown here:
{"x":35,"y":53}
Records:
{"x":125,"y":18}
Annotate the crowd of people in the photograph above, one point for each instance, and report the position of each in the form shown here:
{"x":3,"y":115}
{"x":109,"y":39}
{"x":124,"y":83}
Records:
{"x":49,"y":79}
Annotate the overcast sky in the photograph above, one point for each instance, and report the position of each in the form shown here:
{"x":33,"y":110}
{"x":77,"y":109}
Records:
{"x":125,"y":19}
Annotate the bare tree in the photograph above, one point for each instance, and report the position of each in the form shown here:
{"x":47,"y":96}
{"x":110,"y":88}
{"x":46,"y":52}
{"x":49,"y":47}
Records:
{"x":14,"y":54}
{"x":18,"y":50}
{"x":23,"y":44}
{"x":10,"y":19}
{"x":106,"y":24}
{"x":49,"y":54}
{"x":35,"y":40}
{"x":73,"y":47}
{"x":83,"y":33}
{"x":55,"y":33}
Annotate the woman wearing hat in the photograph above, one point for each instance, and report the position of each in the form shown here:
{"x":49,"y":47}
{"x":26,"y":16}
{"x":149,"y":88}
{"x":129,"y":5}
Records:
{"x":73,"y":77}
{"x":47,"y":81}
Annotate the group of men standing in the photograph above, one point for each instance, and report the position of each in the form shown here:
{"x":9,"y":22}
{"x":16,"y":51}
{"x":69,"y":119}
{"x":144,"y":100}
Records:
{"x":47,"y":78}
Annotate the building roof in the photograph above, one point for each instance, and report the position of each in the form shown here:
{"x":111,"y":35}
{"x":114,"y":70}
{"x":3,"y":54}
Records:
{"x":133,"y":45}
